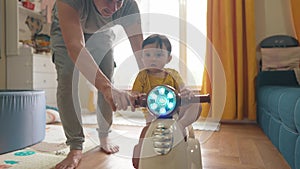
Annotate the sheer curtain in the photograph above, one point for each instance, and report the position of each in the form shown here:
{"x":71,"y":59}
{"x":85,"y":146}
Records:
{"x":164,"y":17}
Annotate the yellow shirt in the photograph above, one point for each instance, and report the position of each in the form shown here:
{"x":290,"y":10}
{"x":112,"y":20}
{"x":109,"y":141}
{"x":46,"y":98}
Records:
{"x":144,"y":82}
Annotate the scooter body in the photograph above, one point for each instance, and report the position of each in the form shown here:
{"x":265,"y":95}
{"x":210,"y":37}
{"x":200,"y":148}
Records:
{"x":162,"y":143}
{"x":163,"y":146}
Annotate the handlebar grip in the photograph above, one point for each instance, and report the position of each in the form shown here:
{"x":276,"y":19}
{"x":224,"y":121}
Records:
{"x":141,"y":101}
{"x":205,"y":98}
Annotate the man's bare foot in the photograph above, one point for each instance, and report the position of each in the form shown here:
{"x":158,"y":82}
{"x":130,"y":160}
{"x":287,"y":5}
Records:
{"x":71,"y":161}
{"x":108,"y":148}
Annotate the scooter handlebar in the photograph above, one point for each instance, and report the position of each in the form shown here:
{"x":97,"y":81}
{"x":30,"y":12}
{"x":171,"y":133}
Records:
{"x":205,"y":98}
{"x":141,"y":101}
{"x":162,"y":101}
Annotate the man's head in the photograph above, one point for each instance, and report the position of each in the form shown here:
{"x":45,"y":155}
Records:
{"x":108,"y":7}
{"x":156,"y":51}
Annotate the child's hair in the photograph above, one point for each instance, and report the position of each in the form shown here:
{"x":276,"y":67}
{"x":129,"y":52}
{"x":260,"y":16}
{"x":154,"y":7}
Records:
{"x":160,"y":40}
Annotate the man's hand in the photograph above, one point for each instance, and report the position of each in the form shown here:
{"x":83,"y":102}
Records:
{"x":118,"y":99}
{"x":187,"y":93}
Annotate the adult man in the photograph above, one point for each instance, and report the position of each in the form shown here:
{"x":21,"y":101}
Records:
{"x":81,"y":39}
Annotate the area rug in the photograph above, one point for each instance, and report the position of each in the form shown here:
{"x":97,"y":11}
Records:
{"x":119,"y":118}
{"x":54,"y":142}
{"x":29,"y":159}
{"x":89,"y":118}
{"x":129,"y":118}
{"x":206,"y":125}
{"x":47,"y":153}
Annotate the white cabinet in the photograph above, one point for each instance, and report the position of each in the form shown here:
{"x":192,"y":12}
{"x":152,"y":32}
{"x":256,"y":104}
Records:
{"x":24,"y":68}
{"x":15,"y":27}
{"x":32,"y":71}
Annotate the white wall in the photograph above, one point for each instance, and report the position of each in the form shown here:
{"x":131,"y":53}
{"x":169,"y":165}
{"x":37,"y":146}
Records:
{"x":2,"y":47}
{"x":272,"y":17}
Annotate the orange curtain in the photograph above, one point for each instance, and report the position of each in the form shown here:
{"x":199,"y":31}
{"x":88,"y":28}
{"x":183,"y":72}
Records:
{"x":295,"y":4}
{"x":230,"y":60}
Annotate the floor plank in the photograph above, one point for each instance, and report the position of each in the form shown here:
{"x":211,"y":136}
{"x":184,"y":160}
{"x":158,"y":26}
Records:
{"x":242,"y":146}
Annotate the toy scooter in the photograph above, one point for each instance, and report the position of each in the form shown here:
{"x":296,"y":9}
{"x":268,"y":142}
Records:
{"x":162,"y":144}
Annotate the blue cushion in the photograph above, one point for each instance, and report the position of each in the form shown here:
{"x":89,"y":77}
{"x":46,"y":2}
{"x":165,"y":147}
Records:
{"x":269,"y":97}
{"x":274,"y":128}
{"x":297,"y":153}
{"x":287,"y":144}
{"x":286,"y":106}
{"x":263,"y":95}
{"x":297,"y":115}
{"x":273,"y":100}
{"x":264,"y":119}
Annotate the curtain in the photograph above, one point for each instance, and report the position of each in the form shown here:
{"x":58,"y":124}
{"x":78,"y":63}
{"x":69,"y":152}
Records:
{"x":296,"y":16}
{"x":231,"y":66}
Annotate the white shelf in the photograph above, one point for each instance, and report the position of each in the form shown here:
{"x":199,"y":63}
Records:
{"x":25,"y":11}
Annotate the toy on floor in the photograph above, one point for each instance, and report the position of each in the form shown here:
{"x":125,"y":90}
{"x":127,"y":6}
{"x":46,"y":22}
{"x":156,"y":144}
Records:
{"x":162,"y":144}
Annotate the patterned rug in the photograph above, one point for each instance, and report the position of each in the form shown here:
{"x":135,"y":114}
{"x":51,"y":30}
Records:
{"x":52,"y":150}
{"x":46,"y":154}
{"x":119,"y":118}
{"x":29,"y":159}
{"x":206,"y":125}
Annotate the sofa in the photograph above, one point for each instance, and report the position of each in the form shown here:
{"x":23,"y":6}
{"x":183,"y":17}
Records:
{"x":278,"y":110}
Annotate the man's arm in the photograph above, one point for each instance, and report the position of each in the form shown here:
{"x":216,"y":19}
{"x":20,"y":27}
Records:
{"x":69,"y":21}
{"x":135,"y":35}
{"x":74,"y":40}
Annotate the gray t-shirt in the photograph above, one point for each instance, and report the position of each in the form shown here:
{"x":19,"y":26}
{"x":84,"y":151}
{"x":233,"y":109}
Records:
{"x":92,"y":21}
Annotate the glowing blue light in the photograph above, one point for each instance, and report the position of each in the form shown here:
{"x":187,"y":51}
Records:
{"x":161,"y":91}
{"x":153,"y":96}
{"x":161,"y":101}
{"x":153,"y":106}
{"x":171,"y":105}
{"x":170,"y":96}
{"x":162,"y":111}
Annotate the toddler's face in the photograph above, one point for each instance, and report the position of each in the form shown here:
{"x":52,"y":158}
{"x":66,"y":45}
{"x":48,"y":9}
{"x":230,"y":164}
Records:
{"x":154,"y":57}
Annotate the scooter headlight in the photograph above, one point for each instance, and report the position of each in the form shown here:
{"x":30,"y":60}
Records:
{"x":162,"y":137}
{"x":161,"y":101}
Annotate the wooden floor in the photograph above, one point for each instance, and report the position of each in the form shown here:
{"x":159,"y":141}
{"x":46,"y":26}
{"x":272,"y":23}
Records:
{"x":235,"y":146}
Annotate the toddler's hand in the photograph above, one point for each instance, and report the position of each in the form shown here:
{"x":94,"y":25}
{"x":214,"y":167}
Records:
{"x":137,"y":98}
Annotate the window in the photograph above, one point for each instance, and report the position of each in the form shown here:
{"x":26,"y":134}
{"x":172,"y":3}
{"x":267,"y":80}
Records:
{"x":188,"y":39}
